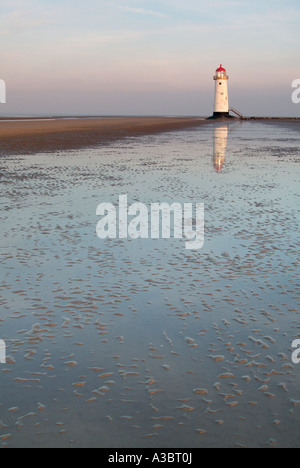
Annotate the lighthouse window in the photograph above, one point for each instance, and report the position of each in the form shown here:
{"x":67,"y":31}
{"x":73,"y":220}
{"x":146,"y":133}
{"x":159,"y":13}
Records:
{"x":220,"y":83}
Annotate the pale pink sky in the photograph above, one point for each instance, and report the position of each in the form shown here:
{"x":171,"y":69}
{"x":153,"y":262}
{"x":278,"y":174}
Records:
{"x":142,"y":57}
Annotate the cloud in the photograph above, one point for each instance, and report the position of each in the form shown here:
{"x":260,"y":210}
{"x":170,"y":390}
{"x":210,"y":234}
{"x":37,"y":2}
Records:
{"x":143,"y":11}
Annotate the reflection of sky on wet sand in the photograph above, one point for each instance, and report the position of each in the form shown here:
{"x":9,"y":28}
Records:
{"x":132,"y":343}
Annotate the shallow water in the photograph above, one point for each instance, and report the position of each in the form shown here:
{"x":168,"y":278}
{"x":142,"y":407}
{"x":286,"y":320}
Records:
{"x":142,"y":343}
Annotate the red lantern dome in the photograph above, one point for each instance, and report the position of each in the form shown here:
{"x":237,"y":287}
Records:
{"x":221,"y":69}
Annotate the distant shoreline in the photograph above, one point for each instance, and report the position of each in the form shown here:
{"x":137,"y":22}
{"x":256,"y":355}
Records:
{"x":87,"y":117}
{"x":28,"y":135}
{"x":91,"y":117}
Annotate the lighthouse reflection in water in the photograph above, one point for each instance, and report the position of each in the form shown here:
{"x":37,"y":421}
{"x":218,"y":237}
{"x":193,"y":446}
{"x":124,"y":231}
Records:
{"x":220,"y":145}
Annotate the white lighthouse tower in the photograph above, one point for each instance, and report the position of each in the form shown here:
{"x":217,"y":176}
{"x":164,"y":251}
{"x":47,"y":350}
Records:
{"x":221,"y":108}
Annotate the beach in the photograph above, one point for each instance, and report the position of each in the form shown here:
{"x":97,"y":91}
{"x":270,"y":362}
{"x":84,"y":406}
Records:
{"x":54,"y":134}
{"x":133,"y":343}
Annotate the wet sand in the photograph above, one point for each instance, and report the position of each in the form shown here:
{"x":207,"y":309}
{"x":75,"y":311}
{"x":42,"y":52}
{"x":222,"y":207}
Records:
{"x":292,"y":124}
{"x":31,"y":136}
{"x":138,"y":343}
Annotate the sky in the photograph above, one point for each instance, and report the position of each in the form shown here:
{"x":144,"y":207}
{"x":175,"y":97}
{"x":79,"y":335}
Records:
{"x":136,"y":57}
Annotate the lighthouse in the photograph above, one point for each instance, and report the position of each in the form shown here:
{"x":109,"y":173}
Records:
{"x":221,"y":108}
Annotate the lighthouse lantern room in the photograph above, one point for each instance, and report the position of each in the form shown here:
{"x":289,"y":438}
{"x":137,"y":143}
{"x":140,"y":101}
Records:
{"x":221,"y":108}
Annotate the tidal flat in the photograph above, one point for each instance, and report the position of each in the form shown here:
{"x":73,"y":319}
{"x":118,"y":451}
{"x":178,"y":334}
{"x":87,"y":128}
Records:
{"x":128,"y":343}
